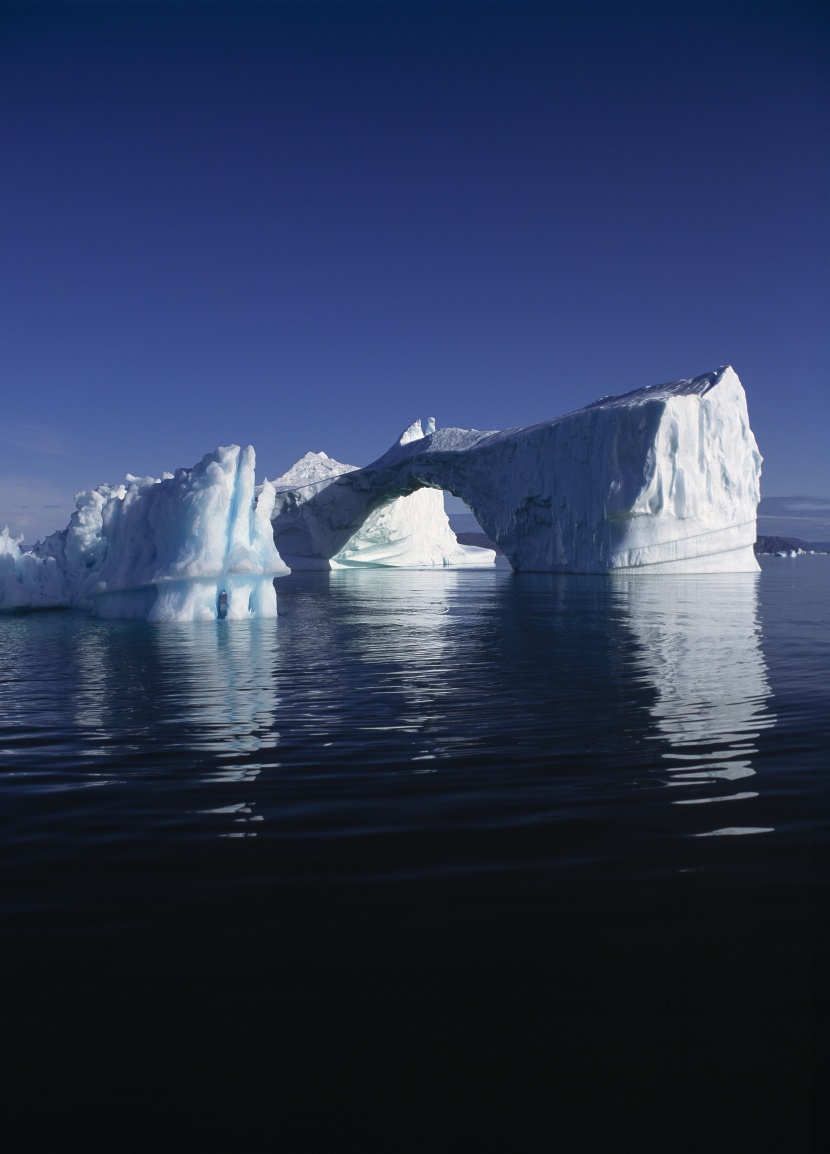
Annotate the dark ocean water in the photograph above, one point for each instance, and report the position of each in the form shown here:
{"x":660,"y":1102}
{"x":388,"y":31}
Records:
{"x":470,"y":835}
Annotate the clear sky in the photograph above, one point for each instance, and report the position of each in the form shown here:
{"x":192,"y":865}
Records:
{"x":303,"y":225}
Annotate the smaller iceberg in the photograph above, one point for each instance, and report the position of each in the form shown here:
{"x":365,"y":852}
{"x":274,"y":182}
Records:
{"x":26,"y":580}
{"x":407,"y":532}
{"x":193,"y":546}
{"x":53,"y":572}
{"x":78,"y":551}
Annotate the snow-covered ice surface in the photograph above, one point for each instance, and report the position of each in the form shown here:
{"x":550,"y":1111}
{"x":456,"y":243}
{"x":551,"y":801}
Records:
{"x":663,"y":479}
{"x":409,"y":532}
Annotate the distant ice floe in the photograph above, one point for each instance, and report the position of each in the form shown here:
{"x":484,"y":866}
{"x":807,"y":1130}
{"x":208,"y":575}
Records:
{"x":736,"y":831}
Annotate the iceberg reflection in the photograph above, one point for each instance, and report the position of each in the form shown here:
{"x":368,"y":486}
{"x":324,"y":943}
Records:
{"x":699,"y":649}
{"x":227,"y":699}
{"x":400,"y":619}
{"x":225,"y":684}
{"x":192,"y":705}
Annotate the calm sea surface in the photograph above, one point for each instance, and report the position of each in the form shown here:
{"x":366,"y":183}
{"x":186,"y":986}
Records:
{"x":465,"y":831}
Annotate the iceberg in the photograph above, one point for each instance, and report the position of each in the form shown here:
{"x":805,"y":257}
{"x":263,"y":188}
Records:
{"x":78,"y":550}
{"x":664,"y":479}
{"x":193,"y":546}
{"x":26,"y":580}
{"x":52,"y":573}
{"x":408,"y":532}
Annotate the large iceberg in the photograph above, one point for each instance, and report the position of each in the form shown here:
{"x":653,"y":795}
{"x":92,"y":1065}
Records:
{"x":190,"y":546}
{"x":662,"y":479}
{"x":410,"y":532}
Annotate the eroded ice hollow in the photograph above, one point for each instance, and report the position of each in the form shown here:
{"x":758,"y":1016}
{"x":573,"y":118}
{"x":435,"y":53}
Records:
{"x":662,"y":479}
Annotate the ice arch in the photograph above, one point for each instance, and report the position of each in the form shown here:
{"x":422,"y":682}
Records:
{"x":665,"y":477}
{"x":408,"y":532}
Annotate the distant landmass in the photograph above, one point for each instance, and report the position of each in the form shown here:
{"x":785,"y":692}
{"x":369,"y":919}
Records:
{"x":469,"y":532}
{"x":790,"y":545}
{"x":480,"y":540}
{"x":804,"y":509}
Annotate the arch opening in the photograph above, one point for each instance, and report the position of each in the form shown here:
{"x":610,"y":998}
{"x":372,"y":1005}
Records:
{"x":466,"y":526}
{"x":412,"y":530}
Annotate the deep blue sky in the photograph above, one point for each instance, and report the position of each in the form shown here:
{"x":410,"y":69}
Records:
{"x":301,"y":226}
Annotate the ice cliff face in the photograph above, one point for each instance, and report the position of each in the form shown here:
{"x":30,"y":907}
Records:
{"x":410,"y":532}
{"x":663,"y":479}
